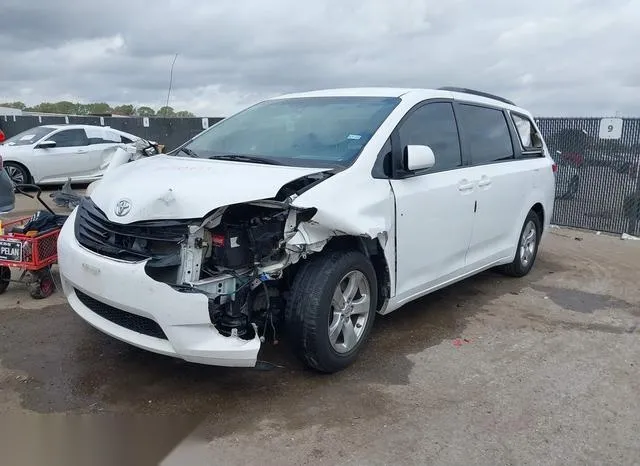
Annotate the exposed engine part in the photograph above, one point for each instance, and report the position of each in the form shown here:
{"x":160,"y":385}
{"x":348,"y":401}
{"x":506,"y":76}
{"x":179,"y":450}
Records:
{"x":223,"y":284}
{"x":236,"y":257}
{"x":192,"y":255}
{"x":245,"y":310}
{"x":233,"y":316}
{"x":248,"y":235}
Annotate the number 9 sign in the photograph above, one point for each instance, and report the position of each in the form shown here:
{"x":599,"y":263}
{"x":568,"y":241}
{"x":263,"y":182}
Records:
{"x":611,"y":128}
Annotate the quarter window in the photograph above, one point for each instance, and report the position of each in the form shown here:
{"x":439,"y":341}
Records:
{"x":529,"y":137}
{"x":70,"y":138}
{"x":434,"y":125}
{"x":486,"y":133}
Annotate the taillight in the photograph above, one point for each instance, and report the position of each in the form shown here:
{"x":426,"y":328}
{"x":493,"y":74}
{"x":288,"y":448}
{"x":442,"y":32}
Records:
{"x":2,"y":136}
{"x":554,"y":167}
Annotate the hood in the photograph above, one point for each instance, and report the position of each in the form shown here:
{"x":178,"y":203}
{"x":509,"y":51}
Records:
{"x":7,"y":150}
{"x":170,"y":187}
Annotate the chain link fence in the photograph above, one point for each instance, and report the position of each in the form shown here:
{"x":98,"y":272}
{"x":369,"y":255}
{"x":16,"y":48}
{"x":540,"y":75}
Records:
{"x":597,"y":184}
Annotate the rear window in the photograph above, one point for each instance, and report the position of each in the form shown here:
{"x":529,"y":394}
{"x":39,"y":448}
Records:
{"x":30,"y":136}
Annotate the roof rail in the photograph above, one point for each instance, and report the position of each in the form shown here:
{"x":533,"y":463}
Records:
{"x":478,"y":93}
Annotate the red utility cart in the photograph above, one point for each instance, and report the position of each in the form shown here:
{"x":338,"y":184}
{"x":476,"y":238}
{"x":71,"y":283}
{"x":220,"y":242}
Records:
{"x":33,"y":252}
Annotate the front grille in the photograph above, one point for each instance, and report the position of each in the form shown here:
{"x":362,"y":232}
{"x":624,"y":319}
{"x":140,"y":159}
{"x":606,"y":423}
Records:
{"x":159,"y":240}
{"x":124,"y":319}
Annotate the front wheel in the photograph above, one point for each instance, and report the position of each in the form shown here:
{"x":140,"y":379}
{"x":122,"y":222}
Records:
{"x":527,"y":250}
{"x":331,"y":309}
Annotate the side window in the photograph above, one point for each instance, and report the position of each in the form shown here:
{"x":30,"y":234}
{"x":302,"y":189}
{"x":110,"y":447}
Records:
{"x":70,"y":138}
{"x":487,"y":134}
{"x":529,"y":137}
{"x":434,"y":125}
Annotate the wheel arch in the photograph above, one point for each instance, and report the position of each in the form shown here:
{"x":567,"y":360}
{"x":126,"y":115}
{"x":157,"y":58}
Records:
{"x":538,"y":208}
{"x":371,"y":248}
{"x":21,"y":165}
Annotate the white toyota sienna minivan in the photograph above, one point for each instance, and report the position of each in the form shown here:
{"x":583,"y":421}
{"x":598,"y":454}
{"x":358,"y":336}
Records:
{"x":308,"y":214}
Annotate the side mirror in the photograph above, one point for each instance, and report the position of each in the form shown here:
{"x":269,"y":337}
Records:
{"x":418,"y":158}
{"x":46,"y":145}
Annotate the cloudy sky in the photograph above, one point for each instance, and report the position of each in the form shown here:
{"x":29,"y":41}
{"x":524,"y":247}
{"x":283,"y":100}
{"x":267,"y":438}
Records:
{"x":556,"y":57}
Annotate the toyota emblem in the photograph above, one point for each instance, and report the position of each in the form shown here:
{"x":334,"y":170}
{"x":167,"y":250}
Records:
{"x":122,"y":207}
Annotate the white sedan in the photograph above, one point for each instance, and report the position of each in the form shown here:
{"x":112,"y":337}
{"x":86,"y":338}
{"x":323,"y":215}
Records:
{"x":52,"y":154}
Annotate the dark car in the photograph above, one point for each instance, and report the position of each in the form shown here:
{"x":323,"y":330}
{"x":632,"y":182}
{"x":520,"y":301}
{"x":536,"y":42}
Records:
{"x":7,"y":195}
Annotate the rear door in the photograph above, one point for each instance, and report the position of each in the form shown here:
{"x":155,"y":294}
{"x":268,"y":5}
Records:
{"x":434,"y":209}
{"x":503,"y":181}
{"x":72,"y":157}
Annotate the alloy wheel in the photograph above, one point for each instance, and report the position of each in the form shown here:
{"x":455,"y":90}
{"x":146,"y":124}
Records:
{"x":16,"y":175}
{"x":350,"y":309}
{"x":528,"y":243}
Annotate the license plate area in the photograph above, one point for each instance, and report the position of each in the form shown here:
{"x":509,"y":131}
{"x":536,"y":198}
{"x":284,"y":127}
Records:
{"x":10,"y":251}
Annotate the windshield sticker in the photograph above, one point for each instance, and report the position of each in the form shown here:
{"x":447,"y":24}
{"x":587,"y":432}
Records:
{"x":28,"y":137}
{"x":354,"y":136}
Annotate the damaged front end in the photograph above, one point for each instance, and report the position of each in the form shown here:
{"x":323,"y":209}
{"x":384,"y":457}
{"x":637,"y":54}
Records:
{"x":239,"y":256}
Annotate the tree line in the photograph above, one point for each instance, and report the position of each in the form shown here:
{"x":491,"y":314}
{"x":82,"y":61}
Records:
{"x":100,"y":108}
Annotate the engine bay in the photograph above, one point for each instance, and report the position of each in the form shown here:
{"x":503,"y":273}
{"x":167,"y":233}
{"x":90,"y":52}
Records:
{"x":237,"y":257}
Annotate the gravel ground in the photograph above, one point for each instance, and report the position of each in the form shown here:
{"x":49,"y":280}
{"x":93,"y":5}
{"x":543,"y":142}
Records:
{"x":540,"y":370}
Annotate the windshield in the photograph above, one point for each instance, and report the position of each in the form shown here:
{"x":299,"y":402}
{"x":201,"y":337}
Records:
{"x":29,"y":136}
{"x":311,"y":131}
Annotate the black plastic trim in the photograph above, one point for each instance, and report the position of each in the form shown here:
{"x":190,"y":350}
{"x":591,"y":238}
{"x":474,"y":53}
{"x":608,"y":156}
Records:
{"x":95,"y":232}
{"x":464,"y":90}
{"x":124,"y":319}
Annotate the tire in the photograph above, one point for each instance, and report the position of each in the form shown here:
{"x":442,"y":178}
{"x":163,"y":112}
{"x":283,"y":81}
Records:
{"x":5,"y":278}
{"x":310,"y":311}
{"x":18,"y":173}
{"x":527,"y":249}
{"x":42,"y":285}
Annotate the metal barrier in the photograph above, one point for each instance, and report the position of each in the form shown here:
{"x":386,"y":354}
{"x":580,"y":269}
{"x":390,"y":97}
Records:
{"x":598,"y":185}
{"x":168,"y":131}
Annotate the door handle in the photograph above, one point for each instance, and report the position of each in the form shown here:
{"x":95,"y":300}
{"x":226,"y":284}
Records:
{"x":484,"y":182}
{"x":465,"y":185}
{"x":81,"y":151}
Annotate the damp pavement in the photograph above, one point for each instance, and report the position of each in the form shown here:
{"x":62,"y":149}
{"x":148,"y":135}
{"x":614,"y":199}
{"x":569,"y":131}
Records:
{"x":539,"y":370}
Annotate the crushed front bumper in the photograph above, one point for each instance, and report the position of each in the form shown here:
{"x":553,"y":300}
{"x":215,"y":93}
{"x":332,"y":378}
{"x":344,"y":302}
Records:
{"x":121,"y":300}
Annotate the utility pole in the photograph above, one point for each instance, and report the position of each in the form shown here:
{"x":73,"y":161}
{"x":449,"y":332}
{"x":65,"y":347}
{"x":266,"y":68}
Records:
{"x":171,"y":79}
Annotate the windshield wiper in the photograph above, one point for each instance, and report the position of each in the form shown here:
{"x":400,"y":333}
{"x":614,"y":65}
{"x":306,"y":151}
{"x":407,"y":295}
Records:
{"x":189,"y":152}
{"x":245,"y":158}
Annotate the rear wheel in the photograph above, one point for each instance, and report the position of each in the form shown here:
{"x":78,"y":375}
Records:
{"x":41,"y":284}
{"x":331,"y":309}
{"x":17,"y":173}
{"x":527,"y":250}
